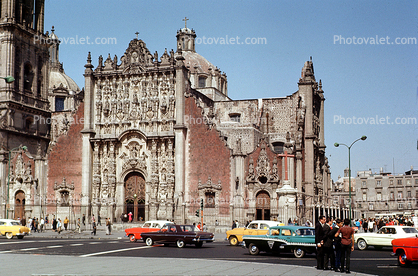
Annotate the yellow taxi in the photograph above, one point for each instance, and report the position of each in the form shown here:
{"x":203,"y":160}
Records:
{"x":11,"y":228}
{"x":256,"y":227}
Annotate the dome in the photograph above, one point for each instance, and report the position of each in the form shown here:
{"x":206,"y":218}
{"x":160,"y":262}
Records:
{"x":57,"y":79}
{"x":193,"y":59}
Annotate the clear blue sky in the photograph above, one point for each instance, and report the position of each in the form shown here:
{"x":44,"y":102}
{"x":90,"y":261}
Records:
{"x":361,"y":81}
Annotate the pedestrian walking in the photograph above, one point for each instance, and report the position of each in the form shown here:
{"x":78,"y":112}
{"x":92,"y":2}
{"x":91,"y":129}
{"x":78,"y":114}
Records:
{"x":66,"y":221}
{"x":93,"y":224}
{"x":107,"y":226}
{"x":347,"y":245}
{"x":110,"y":226}
{"x":41,"y":225}
{"x":319,"y":241}
{"x":79,"y":225}
{"x":130,"y":216}
{"x":59,"y":226}
{"x":84,"y":220}
{"x":99,"y":220}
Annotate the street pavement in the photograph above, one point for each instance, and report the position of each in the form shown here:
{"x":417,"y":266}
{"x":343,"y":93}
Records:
{"x":54,"y":265}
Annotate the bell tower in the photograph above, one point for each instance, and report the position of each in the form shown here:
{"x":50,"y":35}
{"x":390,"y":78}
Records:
{"x":186,"y":38}
{"x":24,"y":106}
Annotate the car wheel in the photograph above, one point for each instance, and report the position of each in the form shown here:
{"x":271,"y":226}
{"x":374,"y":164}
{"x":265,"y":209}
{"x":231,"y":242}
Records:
{"x":149,"y":241}
{"x":180,"y":244}
{"x":9,"y":235}
{"x":199,"y":244}
{"x":233,"y":240}
{"x":402,"y":261}
{"x":20,"y":237}
{"x":253,"y":249}
{"x":132,"y":238}
{"x":361,"y":244}
{"x":299,"y":252}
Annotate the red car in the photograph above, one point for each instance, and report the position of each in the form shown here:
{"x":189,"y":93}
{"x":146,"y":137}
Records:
{"x":406,"y":250}
{"x":134,"y":234}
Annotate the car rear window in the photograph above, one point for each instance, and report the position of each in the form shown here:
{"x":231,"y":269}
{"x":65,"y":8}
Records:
{"x":410,"y":230}
{"x":14,"y":223}
{"x":264,"y":226}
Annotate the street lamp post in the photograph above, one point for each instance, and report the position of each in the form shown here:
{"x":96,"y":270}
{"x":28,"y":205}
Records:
{"x":349,"y":170}
{"x":8,"y":175}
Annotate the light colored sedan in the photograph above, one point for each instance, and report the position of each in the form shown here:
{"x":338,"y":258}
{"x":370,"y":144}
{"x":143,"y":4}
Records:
{"x":11,"y":228}
{"x":384,"y":236}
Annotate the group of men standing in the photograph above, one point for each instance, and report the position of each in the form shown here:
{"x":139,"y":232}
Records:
{"x":334,"y":243}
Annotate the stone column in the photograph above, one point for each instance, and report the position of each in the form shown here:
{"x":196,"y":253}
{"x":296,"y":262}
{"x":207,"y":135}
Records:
{"x":180,"y":133}
{"x":4,"y":157}
{"x":87,"y":134}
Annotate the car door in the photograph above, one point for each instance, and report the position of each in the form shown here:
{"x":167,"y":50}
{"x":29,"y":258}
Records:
{"x":2,"y":227}
{"x":251,"y":229}
{"x":385,"y":238}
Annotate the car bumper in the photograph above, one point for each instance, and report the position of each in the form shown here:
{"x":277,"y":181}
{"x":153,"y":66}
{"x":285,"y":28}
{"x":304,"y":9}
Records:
{"x":203,"y":239}
{"x":22,"y":234}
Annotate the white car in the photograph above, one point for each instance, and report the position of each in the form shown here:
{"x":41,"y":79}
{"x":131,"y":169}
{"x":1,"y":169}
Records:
{"x":384,"y":236}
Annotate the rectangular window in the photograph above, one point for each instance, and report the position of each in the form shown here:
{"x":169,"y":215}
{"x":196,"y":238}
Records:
{"x":202,"y":82}
{"x":371,"y":206}
{"x":409,"y":194}
{"x":399,"y":181}
{"x":59,"y":103}
{"x":379,"y":196}
{"x":391,"y":182}
{"x":378,"y":183}
{"x":235,"y":117}
{"x":409,"y":205}
{"x":400,"y":205}
{"x":363,"y":183}
{"x":408,"y":182}
{"x":392,"y":196}
{"x":364,"y":197}
{"x":416,"y":181}
{"x":399,"y":195}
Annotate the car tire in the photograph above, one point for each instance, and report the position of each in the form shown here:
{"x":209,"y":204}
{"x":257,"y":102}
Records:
{"x":199,"y":244}
{"x":149,"y":241}
{"x":9,"y":235}
{"x":20,"y":237}
{"x":180,"y":243}
{"x":299,"y":252}
{"x":362,"y":244}
{"x":233,"y":240}
{"x":132,"y":238}
{"x":402,"y":261}
{"x":253,"y":249}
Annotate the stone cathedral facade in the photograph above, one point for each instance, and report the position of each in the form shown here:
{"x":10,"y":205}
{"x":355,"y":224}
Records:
{"x":154,"y":134}
{"x":160,"y":134}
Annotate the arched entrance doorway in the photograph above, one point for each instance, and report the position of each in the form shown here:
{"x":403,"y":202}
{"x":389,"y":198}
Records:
{"x":135,"y":195}
{"x":19,"y":205}
{"x":263,"y":206}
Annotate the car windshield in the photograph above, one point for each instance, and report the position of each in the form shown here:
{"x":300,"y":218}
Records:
{"x":305,"y":232}
{"x":14,"y":223}
{"x":146,"y":225}
{"x":410,"y":230}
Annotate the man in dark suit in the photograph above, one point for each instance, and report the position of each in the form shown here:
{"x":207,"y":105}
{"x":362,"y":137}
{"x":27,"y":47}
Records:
{"x":328,"y":244}
{"x":319,"y":240}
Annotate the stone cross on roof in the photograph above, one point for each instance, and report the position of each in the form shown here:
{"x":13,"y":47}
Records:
{"x":185,"y":22}
{"x":137,"y":33}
